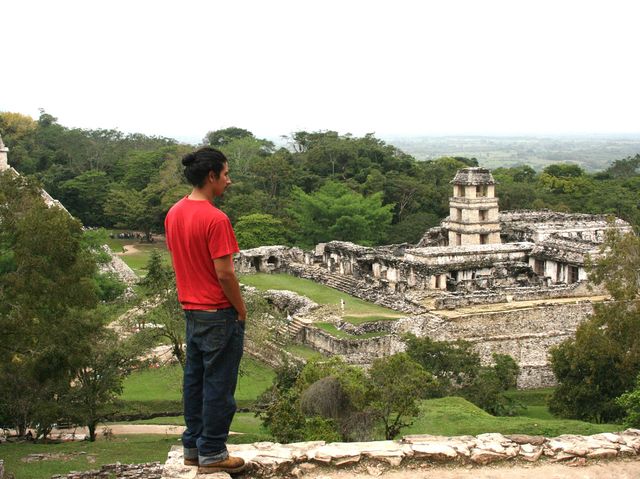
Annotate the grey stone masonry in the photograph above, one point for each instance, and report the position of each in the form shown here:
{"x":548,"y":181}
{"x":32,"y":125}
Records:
{"x":267,"y":459}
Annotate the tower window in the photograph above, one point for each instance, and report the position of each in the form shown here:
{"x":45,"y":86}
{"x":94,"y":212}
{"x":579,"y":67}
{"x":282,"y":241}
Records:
{"x":459,"y":214}
{"x":461,"y":190}
{"x":484,"y":215}
{"x":484,"y":238}
{"x":538,"y":267}
{"x":481,"y":190}
{"x":458,"y":239}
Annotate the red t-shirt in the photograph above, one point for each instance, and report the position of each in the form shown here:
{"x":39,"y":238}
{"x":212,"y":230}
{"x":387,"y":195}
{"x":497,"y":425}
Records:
{"x":197,"y":233}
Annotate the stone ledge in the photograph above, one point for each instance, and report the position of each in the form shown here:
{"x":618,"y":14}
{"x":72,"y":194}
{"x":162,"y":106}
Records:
{"x":269,"y":459}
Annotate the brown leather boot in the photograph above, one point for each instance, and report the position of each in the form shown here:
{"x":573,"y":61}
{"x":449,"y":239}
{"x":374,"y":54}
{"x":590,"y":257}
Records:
{"x":231,"y":465}
{"x":190,"y":462}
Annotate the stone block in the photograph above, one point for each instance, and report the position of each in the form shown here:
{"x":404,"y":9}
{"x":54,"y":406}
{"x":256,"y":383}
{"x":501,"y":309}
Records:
{"x":434,"y":452}
{"x":526,"y":439}
{"x":602,"y":453}
{"x":482,"y":456}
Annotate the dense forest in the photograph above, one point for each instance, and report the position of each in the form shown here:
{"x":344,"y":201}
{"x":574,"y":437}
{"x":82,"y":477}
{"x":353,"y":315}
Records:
{"x":322,"y":186}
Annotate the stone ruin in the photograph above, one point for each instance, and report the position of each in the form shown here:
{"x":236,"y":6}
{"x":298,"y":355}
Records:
{"x":510,"y":282}
{"x":414,"y":452}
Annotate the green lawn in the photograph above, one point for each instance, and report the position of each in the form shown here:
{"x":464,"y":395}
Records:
{"x":243,"y":422}
{"x":534,"y":402}
{"x":304,"y":352}
{"x":162,"y":385}
{"x":356,"y":310}
{"x":125,"y":449}
{"x":454,"y":416}
{"x":137,"y":261}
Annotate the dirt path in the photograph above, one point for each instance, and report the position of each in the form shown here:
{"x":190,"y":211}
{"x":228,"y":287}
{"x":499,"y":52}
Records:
{"x":619,"y":469}
{"x":128,"y":249}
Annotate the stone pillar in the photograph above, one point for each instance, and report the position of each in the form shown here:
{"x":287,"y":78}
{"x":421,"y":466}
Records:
{"x":4,"y":162}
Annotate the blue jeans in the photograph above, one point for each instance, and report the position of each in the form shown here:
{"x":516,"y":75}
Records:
{"x":214,"y":343}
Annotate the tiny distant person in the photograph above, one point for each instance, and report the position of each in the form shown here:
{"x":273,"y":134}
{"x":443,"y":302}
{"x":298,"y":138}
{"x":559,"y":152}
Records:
{"x":202,"y":243}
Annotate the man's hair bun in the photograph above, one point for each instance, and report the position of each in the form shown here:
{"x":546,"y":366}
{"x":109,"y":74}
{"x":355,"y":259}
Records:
{"x":188,"y":159}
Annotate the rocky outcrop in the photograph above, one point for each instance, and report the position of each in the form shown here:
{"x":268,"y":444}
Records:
{"x":269,"y":459}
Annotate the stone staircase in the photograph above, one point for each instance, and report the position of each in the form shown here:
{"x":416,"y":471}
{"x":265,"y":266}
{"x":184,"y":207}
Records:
{"x":293,"y":328}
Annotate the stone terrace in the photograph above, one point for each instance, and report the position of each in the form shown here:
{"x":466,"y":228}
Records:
{"x":295,"y":460}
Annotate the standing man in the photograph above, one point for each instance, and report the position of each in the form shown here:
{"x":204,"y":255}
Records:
{"x":202,"y":243}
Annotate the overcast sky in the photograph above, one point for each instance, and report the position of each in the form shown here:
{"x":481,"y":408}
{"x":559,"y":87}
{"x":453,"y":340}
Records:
{"x":396,"y":68}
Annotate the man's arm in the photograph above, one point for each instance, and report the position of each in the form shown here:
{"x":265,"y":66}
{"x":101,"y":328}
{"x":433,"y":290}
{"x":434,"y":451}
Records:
{"x":229,"y":283}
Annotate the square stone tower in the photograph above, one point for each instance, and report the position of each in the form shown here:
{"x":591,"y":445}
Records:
{"x":473,"y":209}
{"x":4,"y":162}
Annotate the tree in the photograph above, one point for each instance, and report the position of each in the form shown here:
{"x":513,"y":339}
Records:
{"x":84,"y":196}
{"x":603,"y":360}
{"x":164,"y":310}
{"x":218,"y":138}
{"x":453,"y":364}
{"x":138,"y":210}
{"x":506,"y":370}
{"x":397,"y":384}
{"x":630,"y":403}
{"x":98,"y":382}
{"x":335,"y":212}
{"x":259,"y":230}
{"x":47,"y":298}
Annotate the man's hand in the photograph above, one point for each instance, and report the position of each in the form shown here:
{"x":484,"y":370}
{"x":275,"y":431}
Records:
{"x":229,"y":284}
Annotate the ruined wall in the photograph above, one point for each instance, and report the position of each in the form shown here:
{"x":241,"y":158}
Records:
{"x":516,"y":333}
{"x":526,"y":334}
{"x":355,"y":351}
{"x":463,"y":299}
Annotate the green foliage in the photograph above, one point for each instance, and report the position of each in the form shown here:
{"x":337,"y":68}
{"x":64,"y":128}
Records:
{"x":108,"y":286}
{"x":159,"y":276}
{"x":218,"y":138}
{"x":334,"y":399}
{"x":603,"y":360}
{"x":260,"y":230}
{"x":99,"y":381}
{"x":47,"y":307}
{"x":335,"y":212}
{"x":630,"y":403}
{"x":486,"y":392}
{"x":397,"y":383}
{"x":458,"y":371}
{"x":506,"y":370}
{"x":167,"y":316}
{"x":453,"y":364}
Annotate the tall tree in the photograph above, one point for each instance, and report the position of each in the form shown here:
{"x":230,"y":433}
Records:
{"x":335,"y":212}
{"x":47,"y":294}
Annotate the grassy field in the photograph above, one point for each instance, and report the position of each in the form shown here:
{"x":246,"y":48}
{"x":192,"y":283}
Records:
{"x":304,"y":352}
{"x":164,"y":384}
{"x":356,"y":310}
{"x":82,"y":455}
{"x":138,"y":260}
{"x":453,"y":416}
